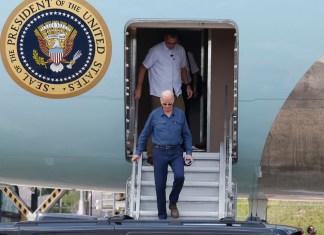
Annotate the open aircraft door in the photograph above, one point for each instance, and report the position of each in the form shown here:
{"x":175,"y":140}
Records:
{"x":214,"y":46}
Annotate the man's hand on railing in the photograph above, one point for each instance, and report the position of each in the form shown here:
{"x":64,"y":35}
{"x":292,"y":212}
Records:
{"x":135,"y":157}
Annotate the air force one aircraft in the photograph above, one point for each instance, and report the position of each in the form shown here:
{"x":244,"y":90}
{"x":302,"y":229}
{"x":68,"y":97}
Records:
{"x":69,"y":68}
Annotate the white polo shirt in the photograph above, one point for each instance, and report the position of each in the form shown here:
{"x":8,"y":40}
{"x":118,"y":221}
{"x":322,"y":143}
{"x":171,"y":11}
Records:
{"x":164,"y":68}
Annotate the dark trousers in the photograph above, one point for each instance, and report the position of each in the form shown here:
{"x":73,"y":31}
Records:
{"x":162,"y":159}
{"x":186,"y":103}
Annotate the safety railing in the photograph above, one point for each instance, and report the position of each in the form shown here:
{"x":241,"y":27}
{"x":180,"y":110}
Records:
{"x":227,"y":197}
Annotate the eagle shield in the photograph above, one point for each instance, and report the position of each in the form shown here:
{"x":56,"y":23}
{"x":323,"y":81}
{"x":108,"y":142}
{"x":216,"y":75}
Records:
{"x":56,"y":40}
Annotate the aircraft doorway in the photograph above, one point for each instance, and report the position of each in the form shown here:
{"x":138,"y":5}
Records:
{"x":214,"y":47}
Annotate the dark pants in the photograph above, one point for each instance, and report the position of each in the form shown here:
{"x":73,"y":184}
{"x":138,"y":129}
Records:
{"x":186,"y":103}
{"x":162,"y":159}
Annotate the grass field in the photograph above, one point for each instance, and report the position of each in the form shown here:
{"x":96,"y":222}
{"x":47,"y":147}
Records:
{"x":294,"y":213}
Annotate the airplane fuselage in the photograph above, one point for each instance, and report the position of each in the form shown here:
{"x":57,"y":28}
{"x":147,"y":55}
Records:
{"x":64,"y":124}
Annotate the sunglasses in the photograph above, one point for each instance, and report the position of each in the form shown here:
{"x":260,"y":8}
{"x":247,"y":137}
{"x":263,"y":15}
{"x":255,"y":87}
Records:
{"x":167,"y":104}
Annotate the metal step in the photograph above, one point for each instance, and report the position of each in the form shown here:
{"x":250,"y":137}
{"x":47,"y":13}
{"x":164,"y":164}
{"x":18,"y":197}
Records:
{"x":184,"y":199}
{"x":186,"y":183}
{"x":205,"y":155}
{"x":184,"y":206}
{"x":208,"y":175}
{"x":190,"y":215}
{"x":186,"y":190}
{"x":187,"y":169}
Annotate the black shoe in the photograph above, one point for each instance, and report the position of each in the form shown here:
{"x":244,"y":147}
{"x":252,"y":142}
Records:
{"x":150,"y":161}
{"x":174,"y":210}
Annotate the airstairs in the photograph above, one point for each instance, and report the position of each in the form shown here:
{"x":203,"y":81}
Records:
{"x":209,"y":193}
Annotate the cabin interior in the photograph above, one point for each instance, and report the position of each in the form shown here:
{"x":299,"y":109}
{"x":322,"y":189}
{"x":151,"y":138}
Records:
{"x":214,"y":45}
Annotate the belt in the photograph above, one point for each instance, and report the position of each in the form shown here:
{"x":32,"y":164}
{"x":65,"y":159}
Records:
{"x":167,"y":147}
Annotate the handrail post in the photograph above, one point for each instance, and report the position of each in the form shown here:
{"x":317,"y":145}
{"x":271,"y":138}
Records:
{"x":134,"y":173}
{"x":138,"y":189}
{"x":222,"y":186}
{"x":132,"y":204}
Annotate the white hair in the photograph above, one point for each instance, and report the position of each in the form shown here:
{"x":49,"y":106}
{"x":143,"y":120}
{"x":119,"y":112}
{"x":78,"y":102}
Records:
{"x":167,"y":94}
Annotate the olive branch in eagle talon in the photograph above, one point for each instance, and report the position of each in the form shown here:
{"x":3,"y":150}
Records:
{"x":39,"y":60}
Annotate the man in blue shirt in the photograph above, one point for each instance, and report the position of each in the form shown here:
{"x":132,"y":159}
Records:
{"x":170,"y":133}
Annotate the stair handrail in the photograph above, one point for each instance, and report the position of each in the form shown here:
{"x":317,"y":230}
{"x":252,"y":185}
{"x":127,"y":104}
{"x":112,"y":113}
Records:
{"x":230,"y":155}
{"x":132,"y":190}
{"x":127,"y":198}
{"x":223,"y":168}
{"x":135,"y":179}
{"x":229,"y":178}
{"x":134,"y":172}
{"x":222,"y":183}
{"x":226,"y":154}
{"x":138,"y":188}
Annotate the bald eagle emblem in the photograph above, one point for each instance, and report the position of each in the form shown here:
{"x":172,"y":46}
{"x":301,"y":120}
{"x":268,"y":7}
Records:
{"x":56,"y":40}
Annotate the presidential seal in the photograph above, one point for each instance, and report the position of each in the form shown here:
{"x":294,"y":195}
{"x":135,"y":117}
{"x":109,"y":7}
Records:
{"x":56,"y":48}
